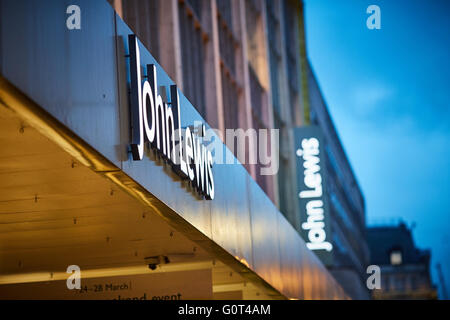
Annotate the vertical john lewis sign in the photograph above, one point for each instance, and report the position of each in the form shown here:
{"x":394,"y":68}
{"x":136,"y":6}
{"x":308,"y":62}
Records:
{"x":312,"y":196}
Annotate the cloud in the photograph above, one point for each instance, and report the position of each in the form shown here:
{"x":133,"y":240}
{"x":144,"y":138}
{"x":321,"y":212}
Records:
{"x":368,"y":99}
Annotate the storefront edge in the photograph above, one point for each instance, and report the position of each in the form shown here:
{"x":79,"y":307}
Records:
{"x":309,"y":277}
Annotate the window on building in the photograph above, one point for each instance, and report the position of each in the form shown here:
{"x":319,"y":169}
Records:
{"x":255,"y":34}
{"x":259,"y":118}
{"x":196,"y":6}
{"x":275,"y":57}
{"x":227,"y":39}
{"x":228,"y":45}
{"x":291,"y":39}
{"x":274,"y":43}
{"x":256,"y":65}
{"x":143,"y":18}
{"x":283,"y":175}
{"x":399,"y":282}
{"x":396,"y":257}
{"x":257,"y":96}
{"x":230,"y":92}
{"x":193,"y":41}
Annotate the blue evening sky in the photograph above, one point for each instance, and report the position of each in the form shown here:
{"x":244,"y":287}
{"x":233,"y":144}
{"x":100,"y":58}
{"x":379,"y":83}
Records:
{"x":388,"y":92}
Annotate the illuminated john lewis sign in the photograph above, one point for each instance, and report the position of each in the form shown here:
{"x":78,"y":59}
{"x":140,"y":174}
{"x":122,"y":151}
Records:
{"x":311,"y":183}
{"x":158,"y":123}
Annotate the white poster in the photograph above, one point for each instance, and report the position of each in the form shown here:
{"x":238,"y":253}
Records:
{"x":189,"y":285}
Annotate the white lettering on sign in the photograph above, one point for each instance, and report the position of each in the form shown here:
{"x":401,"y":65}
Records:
{"x":315,"y":224}
{"x":159,"y":123}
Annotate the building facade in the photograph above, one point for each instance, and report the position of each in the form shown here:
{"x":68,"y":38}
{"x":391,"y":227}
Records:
{"x":236,"y":65}
{"x":405,"y":269}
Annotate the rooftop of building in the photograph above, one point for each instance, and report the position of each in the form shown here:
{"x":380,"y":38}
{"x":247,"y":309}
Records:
{"x":383,"y":240}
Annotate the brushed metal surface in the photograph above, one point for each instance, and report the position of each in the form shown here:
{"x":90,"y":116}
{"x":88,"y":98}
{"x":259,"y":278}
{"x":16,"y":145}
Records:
{"x":72,"y":74}
{"x":265,"y":241}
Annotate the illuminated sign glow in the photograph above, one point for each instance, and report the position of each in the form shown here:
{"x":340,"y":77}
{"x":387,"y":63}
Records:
{"x":312,"y":198}
{"x":159,"y":123}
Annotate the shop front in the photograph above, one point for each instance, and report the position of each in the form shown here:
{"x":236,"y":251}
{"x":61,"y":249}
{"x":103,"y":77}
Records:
{"x":105,"y":166}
